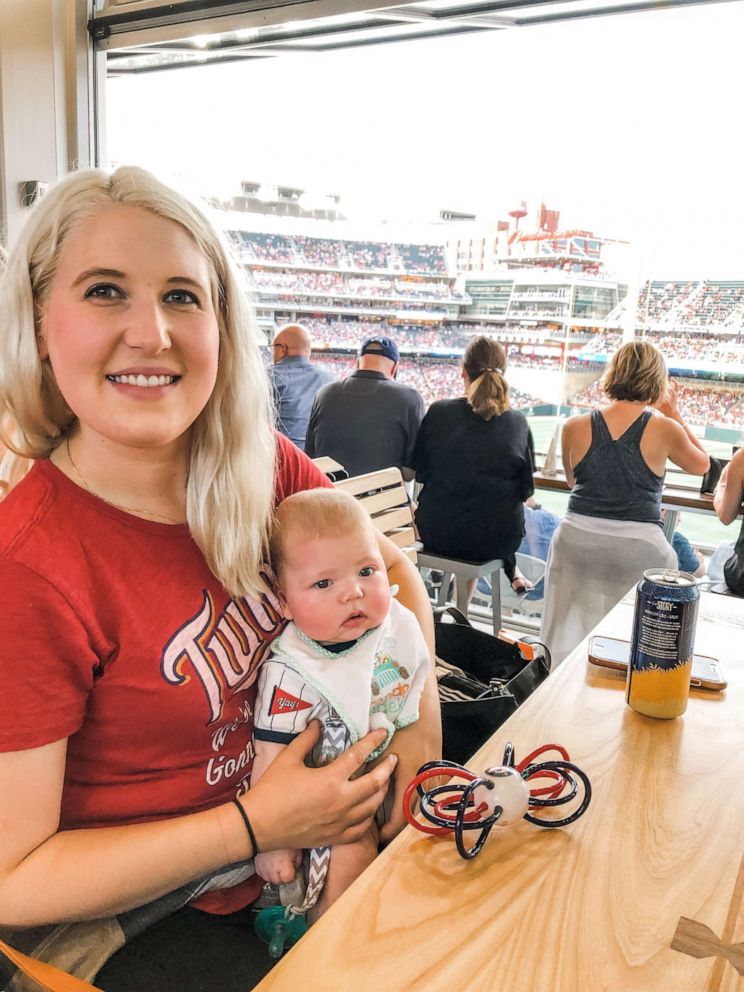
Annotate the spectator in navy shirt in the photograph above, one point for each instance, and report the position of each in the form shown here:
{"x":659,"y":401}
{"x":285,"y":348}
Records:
{"x":368,"y":421}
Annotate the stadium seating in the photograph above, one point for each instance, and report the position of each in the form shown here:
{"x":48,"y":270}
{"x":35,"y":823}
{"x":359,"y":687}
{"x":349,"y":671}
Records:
{"x":332,"y":253}
{"x":706,"y":303}
{"x":698,"y":405}
{"x":435,"y":379}
{"x":344,"y":290}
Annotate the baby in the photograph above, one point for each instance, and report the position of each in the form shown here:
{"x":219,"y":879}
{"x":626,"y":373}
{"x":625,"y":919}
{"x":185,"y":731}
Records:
{"x":351,"y":657}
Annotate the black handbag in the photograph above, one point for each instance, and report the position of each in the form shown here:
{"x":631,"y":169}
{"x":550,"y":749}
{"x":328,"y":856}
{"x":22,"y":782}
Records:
{"x":491,"y":679}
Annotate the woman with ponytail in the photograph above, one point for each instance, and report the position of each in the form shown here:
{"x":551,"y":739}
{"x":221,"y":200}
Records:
{"x":474,"y":456}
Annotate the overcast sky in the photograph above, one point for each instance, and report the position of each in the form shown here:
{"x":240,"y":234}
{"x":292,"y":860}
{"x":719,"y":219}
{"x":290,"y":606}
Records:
{"x":630,"y":126}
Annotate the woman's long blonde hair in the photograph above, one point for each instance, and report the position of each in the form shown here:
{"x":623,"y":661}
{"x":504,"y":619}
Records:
{"x":484,"y":362}
{"x":230,"y":488}
{"x":12,"y":466}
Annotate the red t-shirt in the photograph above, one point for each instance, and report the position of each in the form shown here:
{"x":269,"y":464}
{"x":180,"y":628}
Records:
{"x":115,"y":635}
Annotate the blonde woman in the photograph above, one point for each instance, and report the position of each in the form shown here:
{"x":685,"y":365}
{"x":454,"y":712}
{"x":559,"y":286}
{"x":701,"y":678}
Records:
{"x":136,"y":611}
{"x":614,"y":460}
{"x":474,"y":456}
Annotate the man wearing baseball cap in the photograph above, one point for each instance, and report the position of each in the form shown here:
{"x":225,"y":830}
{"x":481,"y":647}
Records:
{"x":367,"y":421}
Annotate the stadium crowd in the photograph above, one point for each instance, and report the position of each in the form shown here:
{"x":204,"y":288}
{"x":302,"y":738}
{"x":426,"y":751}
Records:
{"x":657,"y":300}
{"x":445,"y":336}
{"x":719,"y":350}
{"x":332,"y":253}
{"x":701,"y":406}
{"x":691,"y":303}
{"x":387,"y":279}
{"x":429,"y":310}
{"x":422,"y":337}
{"x":302,"y":282}
{"x":435,"y":379}
{"x":521,"y":359}
{"x":410,"y":337}
{"x":694,"y":303}
{"x":715,"y":304}
{"x":298,"y":282}
{"x":603,"y":343}
{"x":442,"y":379}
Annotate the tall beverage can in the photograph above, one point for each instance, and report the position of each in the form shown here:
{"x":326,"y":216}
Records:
{"x":662,"y":643}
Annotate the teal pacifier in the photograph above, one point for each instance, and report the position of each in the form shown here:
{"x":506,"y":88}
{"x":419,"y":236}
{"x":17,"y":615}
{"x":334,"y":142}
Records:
{"x":278,"y":926}
{"x":279,"y":929}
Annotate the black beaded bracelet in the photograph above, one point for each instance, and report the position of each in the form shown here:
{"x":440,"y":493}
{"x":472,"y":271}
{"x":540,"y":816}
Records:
{"x":248,"y":827}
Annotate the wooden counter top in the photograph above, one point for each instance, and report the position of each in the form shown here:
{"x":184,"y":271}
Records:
{"x":594,"y":906}
{"x":687,"y":499}
{"x":557,"y":482}
{"x":677,"y":497}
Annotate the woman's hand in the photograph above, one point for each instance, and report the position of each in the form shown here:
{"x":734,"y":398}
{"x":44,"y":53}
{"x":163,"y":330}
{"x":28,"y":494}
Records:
{"x":296,"y":806}
{"x":667,"y":402}
{"x":682,"y":446}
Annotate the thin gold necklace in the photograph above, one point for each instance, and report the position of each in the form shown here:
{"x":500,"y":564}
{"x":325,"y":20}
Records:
{"x":110,"y":502}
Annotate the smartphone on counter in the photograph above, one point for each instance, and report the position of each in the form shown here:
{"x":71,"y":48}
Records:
{"x":611,"y":652}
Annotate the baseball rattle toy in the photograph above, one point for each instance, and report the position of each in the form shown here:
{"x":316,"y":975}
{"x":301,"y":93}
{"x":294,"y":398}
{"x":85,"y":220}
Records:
{"x":499,"y":797}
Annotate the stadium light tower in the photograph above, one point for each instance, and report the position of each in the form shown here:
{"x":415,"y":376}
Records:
{"x":519,"y":213}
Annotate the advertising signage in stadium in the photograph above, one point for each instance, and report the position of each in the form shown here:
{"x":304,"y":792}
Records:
{"x":487,"y":290}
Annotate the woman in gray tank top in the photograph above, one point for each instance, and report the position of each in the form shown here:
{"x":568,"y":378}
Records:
{"x":614,"y":460}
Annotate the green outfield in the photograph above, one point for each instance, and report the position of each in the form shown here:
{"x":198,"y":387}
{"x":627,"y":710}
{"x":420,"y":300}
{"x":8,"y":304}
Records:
{"x":702,"y":529}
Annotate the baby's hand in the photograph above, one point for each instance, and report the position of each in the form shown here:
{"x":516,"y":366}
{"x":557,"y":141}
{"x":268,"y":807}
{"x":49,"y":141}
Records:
{"x":278,"y":866}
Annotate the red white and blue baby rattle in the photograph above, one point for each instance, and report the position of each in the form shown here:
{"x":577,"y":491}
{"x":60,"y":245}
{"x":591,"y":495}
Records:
{"x":500,"y":797}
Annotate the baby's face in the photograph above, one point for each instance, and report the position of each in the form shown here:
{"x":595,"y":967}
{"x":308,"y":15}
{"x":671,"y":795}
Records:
{"x":335,"y":588}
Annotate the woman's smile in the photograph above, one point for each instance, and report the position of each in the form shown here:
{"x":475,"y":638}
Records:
{"x":143,"y":379}
{"x":144,"y":384}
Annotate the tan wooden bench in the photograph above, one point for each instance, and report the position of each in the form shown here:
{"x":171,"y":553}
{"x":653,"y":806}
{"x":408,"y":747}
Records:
{"x":327,"y":465}
{"x":383,"y":495}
